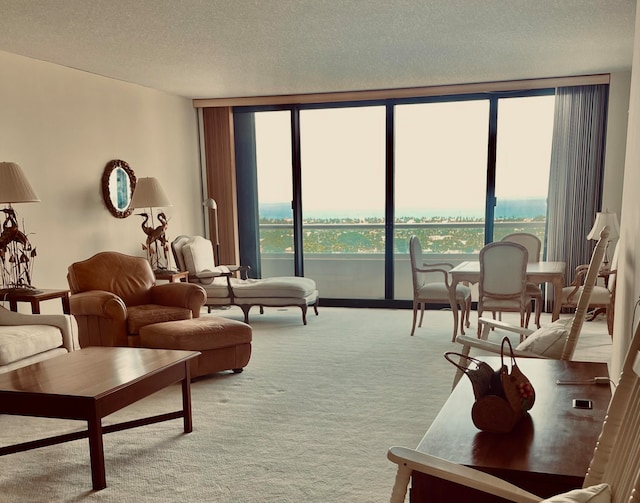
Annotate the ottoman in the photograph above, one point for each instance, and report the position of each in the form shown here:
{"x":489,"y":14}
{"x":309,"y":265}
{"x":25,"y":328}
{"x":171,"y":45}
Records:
{"x":224,"y":344}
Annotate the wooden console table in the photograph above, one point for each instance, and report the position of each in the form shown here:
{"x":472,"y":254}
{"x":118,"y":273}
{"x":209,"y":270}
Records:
{"x":547,"y":453}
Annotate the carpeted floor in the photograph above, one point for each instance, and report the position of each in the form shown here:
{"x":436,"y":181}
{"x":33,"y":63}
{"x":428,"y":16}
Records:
{"x":309,"y":420}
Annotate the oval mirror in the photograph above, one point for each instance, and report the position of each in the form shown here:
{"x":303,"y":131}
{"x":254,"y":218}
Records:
{"x":118,"y":184}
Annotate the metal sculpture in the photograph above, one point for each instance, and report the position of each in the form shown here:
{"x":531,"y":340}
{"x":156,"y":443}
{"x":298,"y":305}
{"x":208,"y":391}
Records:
{"x":156,"y":239}
{"x":16,"y":254}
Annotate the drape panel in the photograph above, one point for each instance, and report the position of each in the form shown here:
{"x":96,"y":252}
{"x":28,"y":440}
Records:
{"x":575,"y":175}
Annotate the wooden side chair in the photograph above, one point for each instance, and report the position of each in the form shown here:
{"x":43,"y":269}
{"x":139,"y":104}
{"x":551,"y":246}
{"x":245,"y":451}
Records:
{"x":533,"y":245}
{"x":431,"y":284}
{"x":603,"y":295}
{"x":503,"y":280}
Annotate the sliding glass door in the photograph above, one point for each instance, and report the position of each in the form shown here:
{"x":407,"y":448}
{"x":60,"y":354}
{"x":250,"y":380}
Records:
{"x":342,"y":154}
{"x":340,"y":189}
{"x":440,"y":182}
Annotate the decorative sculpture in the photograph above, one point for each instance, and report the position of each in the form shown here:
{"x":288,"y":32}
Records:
{"x":156,"y":239}
{"x":16,"y":254}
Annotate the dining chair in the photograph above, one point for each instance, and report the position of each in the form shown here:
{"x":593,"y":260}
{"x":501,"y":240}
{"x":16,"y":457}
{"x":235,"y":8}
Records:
{"x":603,"y":295}
{"x":431,"y":284}
{"x":503,"y":280}
{"x":557,"y":341}
{"x":533,"y":245}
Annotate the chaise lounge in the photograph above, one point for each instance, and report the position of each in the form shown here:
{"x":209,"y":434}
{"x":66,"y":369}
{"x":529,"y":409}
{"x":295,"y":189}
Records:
{"x":195,"y":255}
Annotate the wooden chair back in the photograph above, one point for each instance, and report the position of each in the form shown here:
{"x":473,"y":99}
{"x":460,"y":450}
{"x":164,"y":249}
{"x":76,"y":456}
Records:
{"x":530,"y":241}
{"x":585,"y":295}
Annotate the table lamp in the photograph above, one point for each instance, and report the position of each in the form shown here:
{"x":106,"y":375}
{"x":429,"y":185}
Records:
{"x":605,"y":218}
{"x":150,"y":194}
{"x":16,"y":252}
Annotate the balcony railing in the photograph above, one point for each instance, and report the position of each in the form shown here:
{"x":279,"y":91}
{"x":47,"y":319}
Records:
{"x":347,"y":259}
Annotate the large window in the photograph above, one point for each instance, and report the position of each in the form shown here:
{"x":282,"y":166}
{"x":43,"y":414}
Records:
{"x":341,"y":188}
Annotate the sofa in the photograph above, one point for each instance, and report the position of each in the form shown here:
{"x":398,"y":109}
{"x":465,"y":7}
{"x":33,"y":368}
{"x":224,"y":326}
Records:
{"x":114,"y":295}
{"x":30,"y":338}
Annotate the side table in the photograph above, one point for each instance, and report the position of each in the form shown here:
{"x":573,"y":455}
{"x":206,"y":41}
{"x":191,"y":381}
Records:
{"x":34,"y":297}
{"x":171,"y":276}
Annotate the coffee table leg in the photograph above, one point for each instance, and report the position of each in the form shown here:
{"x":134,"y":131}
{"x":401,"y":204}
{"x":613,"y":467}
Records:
{"x":186,"y":398}
{"x":96,"y":452}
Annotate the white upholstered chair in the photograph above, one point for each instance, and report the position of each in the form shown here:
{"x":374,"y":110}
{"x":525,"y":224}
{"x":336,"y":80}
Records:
{"x":557,"y":340}
{"x":503,"y":280}
{"x":533,"y":245}
{"x":603,"y":295}
{"x":195,"y":255}
{"x":431,"y":284}
{"x":613,"y":474}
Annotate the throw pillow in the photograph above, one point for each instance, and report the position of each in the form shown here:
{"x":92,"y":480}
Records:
{"x":600,"y":493}
{"x":546,"y":341}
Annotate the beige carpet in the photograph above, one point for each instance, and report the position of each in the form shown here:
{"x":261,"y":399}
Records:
{"x":309,"y":420}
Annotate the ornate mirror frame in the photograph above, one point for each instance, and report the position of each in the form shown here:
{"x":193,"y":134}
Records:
{"x":118,"y":184}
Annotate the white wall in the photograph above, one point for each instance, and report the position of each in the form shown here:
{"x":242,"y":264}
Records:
{"x":628,"y":288}
{"x":63,"y":126}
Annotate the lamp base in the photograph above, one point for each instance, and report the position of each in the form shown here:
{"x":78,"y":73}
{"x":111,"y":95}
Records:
{"x":20,"y":290}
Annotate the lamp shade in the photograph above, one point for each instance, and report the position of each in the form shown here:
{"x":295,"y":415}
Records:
{"x":149,"y":194}
{"x":604,"y":218}
{"x":210,"y":203}
{"x":14,"y":186}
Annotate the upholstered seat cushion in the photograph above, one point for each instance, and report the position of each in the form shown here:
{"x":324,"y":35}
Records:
{"x":148,"y":314}
{"x":198,"y":334}
{"x":22,"y":341}
{"x":283,"y":286}
{"x":440,"y":291}
{"x":599,"y":295}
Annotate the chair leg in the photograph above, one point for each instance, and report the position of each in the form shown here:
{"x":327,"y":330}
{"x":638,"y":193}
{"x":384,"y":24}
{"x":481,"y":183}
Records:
{"x":538,"y":311}
{"x":421,"y":313}
{"x":245,"y":310}
{"x":415,"y":315}
{"x":463,"y":313}
{"x":304,"y":313}
{"x":468,"y":311}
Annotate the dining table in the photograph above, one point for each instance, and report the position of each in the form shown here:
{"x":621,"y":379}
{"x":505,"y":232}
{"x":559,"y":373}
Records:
{"x":537,"y":272}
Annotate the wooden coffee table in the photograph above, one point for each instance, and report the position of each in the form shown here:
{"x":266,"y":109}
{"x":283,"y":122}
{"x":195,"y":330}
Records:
{"x":90,"y":384}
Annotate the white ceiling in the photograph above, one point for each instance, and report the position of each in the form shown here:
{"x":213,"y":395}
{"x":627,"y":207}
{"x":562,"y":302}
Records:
{"x":230,"y":48}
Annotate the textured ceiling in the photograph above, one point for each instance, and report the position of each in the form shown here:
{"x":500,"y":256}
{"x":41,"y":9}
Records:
{"x":230,"y":48}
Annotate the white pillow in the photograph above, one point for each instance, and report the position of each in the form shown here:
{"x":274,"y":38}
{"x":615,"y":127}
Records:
{"x":547,"y":341}
{"x":198,"y":255}
{"x":600,"y":493}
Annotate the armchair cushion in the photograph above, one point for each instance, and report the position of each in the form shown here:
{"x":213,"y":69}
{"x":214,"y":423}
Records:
{"x":600,"y":493}
{"x":198,"y":255}
{"x":547,"y":341}
{"x":148,"y":314}
{"x":22,"y":341}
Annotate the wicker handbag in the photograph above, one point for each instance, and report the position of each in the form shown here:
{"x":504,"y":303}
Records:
{"x":502,"y":397}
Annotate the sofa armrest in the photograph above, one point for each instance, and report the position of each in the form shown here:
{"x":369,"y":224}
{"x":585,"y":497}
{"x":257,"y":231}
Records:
{"x":65,"y":322}
{"x":187,"y":295}
{"x":98,"y":303}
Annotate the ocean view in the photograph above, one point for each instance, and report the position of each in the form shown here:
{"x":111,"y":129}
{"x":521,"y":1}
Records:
{"x":440,"y":230}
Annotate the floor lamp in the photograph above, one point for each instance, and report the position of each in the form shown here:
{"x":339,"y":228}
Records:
{"x":150,"y":194}
{"x":16,"y":252}
{"x":212,"y":205}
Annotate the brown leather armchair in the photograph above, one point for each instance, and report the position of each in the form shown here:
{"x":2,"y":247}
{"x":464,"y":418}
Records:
{"x":114,"y":295}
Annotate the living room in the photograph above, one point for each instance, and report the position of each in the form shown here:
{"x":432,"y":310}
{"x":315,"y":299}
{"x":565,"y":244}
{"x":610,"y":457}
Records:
{"x":63,"y":125}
